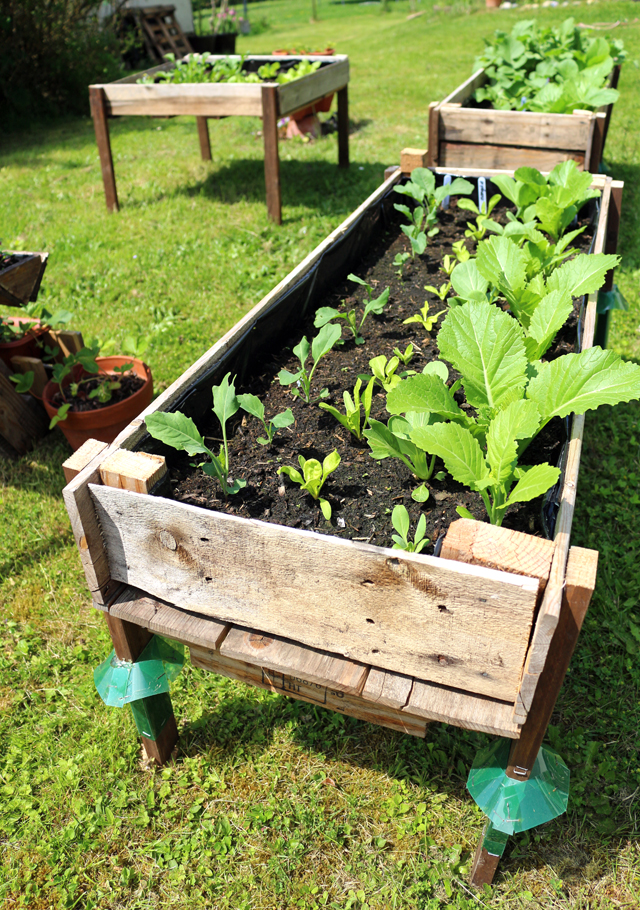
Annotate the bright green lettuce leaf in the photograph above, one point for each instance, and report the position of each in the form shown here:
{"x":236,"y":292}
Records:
{"x":458,"y":449}
{"x":549,"y":317}
{"x":519,"y":420}
{"x":426,"y":393}
{"x":533,"y":482}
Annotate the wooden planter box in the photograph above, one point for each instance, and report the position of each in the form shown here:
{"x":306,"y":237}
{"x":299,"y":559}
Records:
{"x":20,"y":281}
{"x":476,"y":137}
{"x":479,"y":637}
{"x":213,"y":100}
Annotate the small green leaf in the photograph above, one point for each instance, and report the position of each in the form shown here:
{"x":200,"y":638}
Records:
{"x":464,"y":513}
{"x":534,"y":482}
{"x":400,"y":520}
{"x":421,"y":493}
{"x":178,"y":431}
{"x":326,"y":508}
{"x":252,"y":405}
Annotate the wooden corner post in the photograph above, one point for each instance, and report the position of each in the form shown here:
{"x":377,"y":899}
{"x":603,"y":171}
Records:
{"x":343,"y":127}
{"x":98,"y":101}
{"x":271,"y":159}
{"x":139,"y":472}
{"x":203,"y":138}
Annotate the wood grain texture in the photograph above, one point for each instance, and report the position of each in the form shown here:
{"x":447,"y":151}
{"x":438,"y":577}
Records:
{"x":522,"y":129}
{"x":613,"y":227}
{"x":197,"y":99}
{"x":464,"y":91}
{"x":433,"y":150}
{"x":482,"y":544}
{"x":271,"y":160}
{"x":462,"y":709}
{"x":498,"y":157}
{"x":328,"y":79}
{"x":169,"y":621}
{"x":203,"y":138}
{"x":135,"y":471}
{"x":385,"y":688}
{"x":20,"y":282}
{"x":296,"y":687}
{"x":81,"y":457}
{"x":286,"y":656}
{"x":22,"y":419}
{"x":453,"y":623}
{"x":410,"y":159}
{"x":98,"y":102}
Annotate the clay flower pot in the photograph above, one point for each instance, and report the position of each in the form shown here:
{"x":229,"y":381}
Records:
{"x":106,"y":422}
{"x":27,"y":346}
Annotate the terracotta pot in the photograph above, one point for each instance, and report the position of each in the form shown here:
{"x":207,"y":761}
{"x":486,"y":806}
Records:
{"x":27,"y":346}
{"x":323,"y":106}
{"x":103,"y":423}
{"x":492,"y":4}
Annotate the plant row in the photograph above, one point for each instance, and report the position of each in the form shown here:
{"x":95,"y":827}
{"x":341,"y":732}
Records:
{"x":200,"y":68}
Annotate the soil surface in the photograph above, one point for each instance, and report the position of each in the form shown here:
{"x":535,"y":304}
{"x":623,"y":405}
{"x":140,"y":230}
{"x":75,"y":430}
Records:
{"x":129,"y":385}
{"x":362,"y":492}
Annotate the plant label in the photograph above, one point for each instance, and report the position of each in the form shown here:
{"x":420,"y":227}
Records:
{"x":482,"y":194}
{"x":446,"y":182}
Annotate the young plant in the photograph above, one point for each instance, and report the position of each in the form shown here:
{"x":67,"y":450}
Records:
{"x":440,"y":292}
{"x":422,"y":318}
{"x":313,"y":477}
{"x":428,"y":198}
{"x":321,"y":345}
{"x":483,"y":219}
{"x":401,"y":523}
{"x":513,"y":401}
{"x":83,"y":369}
{"x":352,"y":418}
{"x":252,"y":405}
{"x":399,"y":262}
{"x":394,"y":441}
{"x":384,"y":371}
{"x":373,"y":305}
{"x":405,"y":356}
{"x":448,"y":264}
{"x":181,"y":433}
{"x":460,"y":251}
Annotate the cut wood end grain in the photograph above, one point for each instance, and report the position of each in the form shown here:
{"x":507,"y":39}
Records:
{"x":133,"y":471}
{"x":410,"y":159}
{"x":81,"y":458}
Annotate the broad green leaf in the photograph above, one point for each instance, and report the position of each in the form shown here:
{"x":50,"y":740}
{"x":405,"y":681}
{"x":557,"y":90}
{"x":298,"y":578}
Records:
{"x":550,"y":315}
{"x":225,"y":403}
{"x":400,"y":520}
{"x":301,"y":351}
{"x":582,"y":275}
{"x":502,"y":262}
{"x":325,"y":314}
{"x":466,"y":279}
{"x":519,"y":420}
{"x":486,"y":345}
{"x":287,"y":378}
{"x":236,"y":486}
{"x":352,"y":277}
{"x":437,"y":368}
{"x":252,"y":405}
{"x":421,"y":529}
{"x":420,"y":494}
{"x":325,"y":340}
{"x":534,"y":482}
{"x":312,"y":470}
{"x":575,"y":383}
{"x":284,"y":419}
{"x":341,"y":418}
{"x":377,"y":305}
{"x":177,"y":431}
{"x":458,"y":449}
{"x":425,"y":179}
{"x":528,"y":175}
{"x":424,"y":392}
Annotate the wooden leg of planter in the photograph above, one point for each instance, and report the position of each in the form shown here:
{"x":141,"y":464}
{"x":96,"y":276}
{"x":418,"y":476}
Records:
{"x":597,"y":144}
{"x":485,"y":862}
{"x":271,"y":159}
{"x":139,"y":472}
{"x":580,"y":582}
{"x":343,"y":127}
{"x":101,"y":125}
{"x":203,"y":136}
{"x":613,"y":228}
{"x":434,"y":138}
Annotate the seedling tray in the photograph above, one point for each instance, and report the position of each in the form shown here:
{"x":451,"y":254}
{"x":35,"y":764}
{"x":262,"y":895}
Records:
{"x":268,"y":100}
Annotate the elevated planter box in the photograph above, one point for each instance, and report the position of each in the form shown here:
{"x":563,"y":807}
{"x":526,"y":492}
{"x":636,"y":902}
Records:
{"x":20,"y":279}
{"x":479,"y":637}
{"x":268,"y":100}
{"x":478,"y":137}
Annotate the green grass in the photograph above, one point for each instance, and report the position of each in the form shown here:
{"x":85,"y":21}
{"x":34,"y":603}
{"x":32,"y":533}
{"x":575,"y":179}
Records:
{"x":273,"y":803}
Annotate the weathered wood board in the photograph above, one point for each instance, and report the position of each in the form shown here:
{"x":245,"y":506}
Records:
{"x":460,"y":625}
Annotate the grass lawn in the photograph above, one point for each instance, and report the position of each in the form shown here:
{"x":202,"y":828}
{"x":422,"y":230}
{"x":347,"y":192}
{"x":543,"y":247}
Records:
{"x":273,"y":803}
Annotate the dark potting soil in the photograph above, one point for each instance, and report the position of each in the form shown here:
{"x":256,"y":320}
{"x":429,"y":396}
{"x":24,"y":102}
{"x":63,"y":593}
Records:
{"x":129,"y":385}
{"x":362,"y":492}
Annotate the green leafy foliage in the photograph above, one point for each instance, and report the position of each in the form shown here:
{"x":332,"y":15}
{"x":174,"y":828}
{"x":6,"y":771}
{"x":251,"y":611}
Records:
{"x":252,"y":405}
{"x":313,"y":477}
{"x":554,"y":70}
{"x":394,"y":441}
{"x":422,"y":318}
{"x":352,"y":418}
{"x":180,"y":432}
{"x":373,"y":305}
{"x":428,"y":198}
{"x":323,"y":342}
{"x":199,"y":68}
{"x":483,"y":218}
{"x":401,"y":522}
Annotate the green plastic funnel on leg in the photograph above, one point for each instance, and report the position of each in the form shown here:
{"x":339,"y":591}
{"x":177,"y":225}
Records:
{"x":517,"y":805}
{"x":120,"y":682}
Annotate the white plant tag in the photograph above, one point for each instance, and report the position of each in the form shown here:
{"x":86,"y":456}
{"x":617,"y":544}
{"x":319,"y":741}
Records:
{"x":446,"y":182}
{"x":482,"y":195}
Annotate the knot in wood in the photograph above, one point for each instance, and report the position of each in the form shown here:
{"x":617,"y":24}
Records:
{"x":259,"y":641}
{"x":168,"y":540}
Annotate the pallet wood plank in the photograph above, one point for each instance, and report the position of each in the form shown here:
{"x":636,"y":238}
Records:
{"x":385,"y":688}
{"x":22,"y":419}
{"x":449,"y":622}
{"x":515,"y":128}
{"x":169,"y":621}
{"x":410,"y":159}
{"x":99,"y":113}
{"x":81,"y":457}
{"x":135,"y":471}
{"x":285,"y":656}
{"x":462,"y":709}
{"x":497,"y":157}
{"x":295,"y":687}
{"x":328,"y":79}
{"x":271,"y":160}
{"x":465,"y":91}
{"x":20,"y":282}
{"x":199,"y":99}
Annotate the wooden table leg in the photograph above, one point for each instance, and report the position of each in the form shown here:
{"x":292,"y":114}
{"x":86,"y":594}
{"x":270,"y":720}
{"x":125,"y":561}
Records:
{"x":490,"y":848}
{"x":343,"y":127}
{"x":271,"y":159}
{"x":203,"y":136}
{"x":101,"y":125}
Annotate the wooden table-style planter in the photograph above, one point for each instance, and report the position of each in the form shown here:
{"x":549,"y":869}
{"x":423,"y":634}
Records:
{"x":268,"y":100}
{"x":476,"y":137}
{"x":479,"y":637}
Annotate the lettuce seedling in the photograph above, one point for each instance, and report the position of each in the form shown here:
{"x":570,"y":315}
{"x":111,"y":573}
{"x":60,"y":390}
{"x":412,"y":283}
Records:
{"x":384,"y":371}
{"x":401,"y":522}
{"x":422,"y":318}
{"x":460,"y":251}
{"x":321,"y":345}
{"x":252,"y":405}
{"x":513,"y":400}
{"x":313,"y":477}
{"x":394,"y":441}
{"x":483,"y":219}
{"x":352,"y":418}
{"x":373,"y":305}
{"x":440,"y":292}
{"x":180,"y":432}
{"x":428,"y":198}
{"x":404,"y":356}
{"x":399,"y":261}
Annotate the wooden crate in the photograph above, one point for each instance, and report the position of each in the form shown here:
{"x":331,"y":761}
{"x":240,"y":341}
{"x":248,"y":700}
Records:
{"x":475,"y":137}
{"x":268,"y":100}
{"x":20,"y":281}
{"x":479,"y":637}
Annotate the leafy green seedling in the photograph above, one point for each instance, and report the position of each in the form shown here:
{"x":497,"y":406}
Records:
{"x":321,"y":345}
{"x":313,"y":477}
{"x":483,"y":220}
{"x":394,"y":441}
{"x":440,"y":292}
{"x":384,"y":371}
{"x":401,"y":522}
{"x":352,"y":418}
{"x":23,"y":381}
{"x":399,"y":261}
{"x":460,"y":251}
{"x":373,"y":305}
{"x":180,"y":432}
{"x":422,"y":318}
{"x":252,"y":405}
{"x":406,"y":356}
{"x":448,"y":264}
{"x":428,"y":198}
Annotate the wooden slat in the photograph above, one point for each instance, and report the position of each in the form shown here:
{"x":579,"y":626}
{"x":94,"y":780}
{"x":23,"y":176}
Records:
{"x":569,"y":132}
{"x":199,"y":99}
{"x":410,"y":159}
{"x":465,"y":91}
{"x":135,"y":471}
{"x":385,"y":688}
{"x":458,"y":624}
{"x":496,"y":157}
{"x":462,"y":710}
{"x":301,"y":92}
{"x":98,"y":102}
{"x":20,"y":282}
{"x":283,"y":684}
{"x":81,"y":457}
{"x":271,"y":159}
{"x":22,"y":418}
{"x":164,"y":619}
{"x":289,"y":657}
